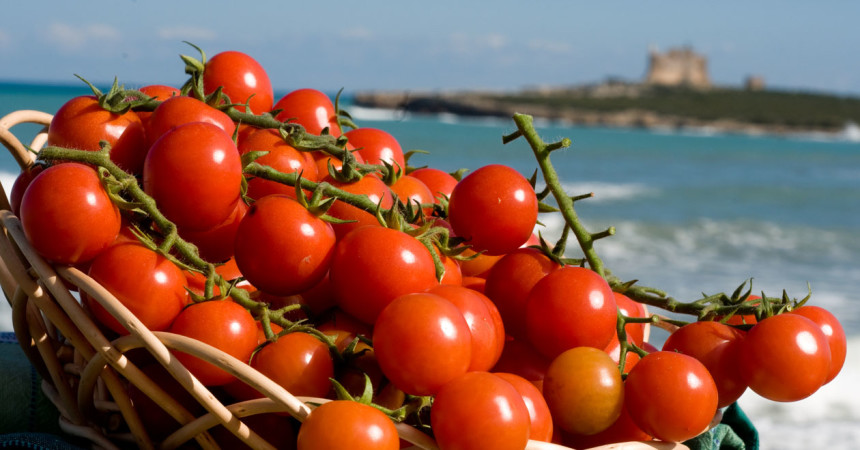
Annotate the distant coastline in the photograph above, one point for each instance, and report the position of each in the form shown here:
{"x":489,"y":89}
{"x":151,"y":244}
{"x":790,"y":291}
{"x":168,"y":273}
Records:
{"x":635,"y":105}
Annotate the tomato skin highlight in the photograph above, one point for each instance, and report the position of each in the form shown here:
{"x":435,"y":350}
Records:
{"x":222,"y":324}
{"x":194,"y":173}
{"x":345,"y":424}
{"x":799,"y":367}
{"x":422,"y":341}
{"x":242,"y":78}
{"x":570,"y":307}
{"x":480,"y":410}
{"x":281,"y":247}
{"x":718,"y":347}
{"x":494,"y":208}
{"x":583,"y":390}
{"x":833,"y":333}
{"x":67,"y":215}
{"x":145,"y":282}
{"x":372,"y":266}
{"x":670,"y":396}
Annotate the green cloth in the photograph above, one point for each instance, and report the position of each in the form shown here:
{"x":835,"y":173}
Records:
{"x":735,"y":432}
{"x":23,"y":405}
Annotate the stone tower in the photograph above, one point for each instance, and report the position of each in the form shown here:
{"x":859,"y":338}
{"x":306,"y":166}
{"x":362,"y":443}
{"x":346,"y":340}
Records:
{"x":678,"y":67}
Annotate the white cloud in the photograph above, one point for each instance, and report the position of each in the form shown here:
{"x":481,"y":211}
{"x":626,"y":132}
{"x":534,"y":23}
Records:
{"x":70,"y":37}
{"x":464,"y":43}
{"x":357,"y":33}
{"x":186,"y":33}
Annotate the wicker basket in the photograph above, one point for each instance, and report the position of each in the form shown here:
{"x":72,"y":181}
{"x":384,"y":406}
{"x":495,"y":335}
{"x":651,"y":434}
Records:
{"x":87,"y":376}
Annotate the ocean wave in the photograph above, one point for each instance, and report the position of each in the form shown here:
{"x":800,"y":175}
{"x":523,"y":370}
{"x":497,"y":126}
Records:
{"x":606,"y":192}
{"x":360,"y":113}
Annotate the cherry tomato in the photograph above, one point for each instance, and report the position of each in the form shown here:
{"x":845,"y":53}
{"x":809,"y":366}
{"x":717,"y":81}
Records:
{"x":347,"y":424}
{"x":413,"y":191}
{"x":81,"y":123}
{"x":785,"y":358}
{"x":671,"y":396}
{"x":281,"y":157}
{"x":509,"y":282}
{"x":718,"y":347}
{"x":422,"y":341}
{"x":372,"y":266}
{"x":478,"y":265}
{"x":485,"y":324}
{"x":194,"y":173}
{"x":281,"y":247}
{"x":22,"y":181}
{"x":148,"y":284}
{"x":570,"y":307}
{"x":309,"y":108}
{"x":374,"y":188}
{"x":241,"y":78}
{"x":223,"y":324}
{"x":540,"y":419}
{"x":622,"y":430}
{"x":635,"y":331}
{"x":67,"y":215}
{"x":159,"y":92}
{"x":299,"y":362}
{"x":179,"y":110}
{"x":833,"y":332}
{"x":473,"y":283}
{"x":583,"y":390}
{"x":377,"y":146}
{"x":494,"y":208}
{"x":487,"y":406}
{"x":440,"y":183}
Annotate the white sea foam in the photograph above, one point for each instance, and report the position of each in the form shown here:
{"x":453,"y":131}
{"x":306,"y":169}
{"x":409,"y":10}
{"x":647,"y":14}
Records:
{"x":606,"y":192}
{"x":377,"y":114}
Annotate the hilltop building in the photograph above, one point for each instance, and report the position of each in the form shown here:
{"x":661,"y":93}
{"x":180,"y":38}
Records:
{"x":678,"y":67}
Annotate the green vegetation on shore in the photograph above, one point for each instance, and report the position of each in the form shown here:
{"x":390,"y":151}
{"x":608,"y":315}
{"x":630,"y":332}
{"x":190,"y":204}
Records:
{"x":765,"y":107}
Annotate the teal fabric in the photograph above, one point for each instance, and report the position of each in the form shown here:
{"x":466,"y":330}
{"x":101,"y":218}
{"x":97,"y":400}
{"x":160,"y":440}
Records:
{"x":23,"y":406}
{"x":735,"y":432}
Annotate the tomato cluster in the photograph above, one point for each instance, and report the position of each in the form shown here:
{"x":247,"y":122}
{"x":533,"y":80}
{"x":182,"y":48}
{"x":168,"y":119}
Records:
{"x":429,"y":290}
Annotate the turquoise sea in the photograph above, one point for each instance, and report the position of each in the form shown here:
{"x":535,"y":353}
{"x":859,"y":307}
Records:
{"x":695,"y":212}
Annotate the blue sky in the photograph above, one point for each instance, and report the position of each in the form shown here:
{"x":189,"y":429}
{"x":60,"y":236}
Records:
{"x":438,"y":44}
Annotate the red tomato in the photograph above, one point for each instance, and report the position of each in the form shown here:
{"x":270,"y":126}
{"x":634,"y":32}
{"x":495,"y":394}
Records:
{"x":541,"y":428}
{"x":194,"y":173}
{"x":377,"y":146}
{"x":630,"y":308}
{"x":145,"y":282}
{"x":216,"y":243}
{"x":718,"y":347}
{"x":785,"y":358}
{"x":613,"y":349}
{"x":520,"y":358}
{"x":473,"y":283}
{"x":372,"y":266}
{"x":479,"y":266}
{"x":374,"y":188}
{"x":422,"y":342}
{"x":281,"y":157}
{"x":241,"y":78}
{"x":413,"y":191}
{"x":452,"y":274}
{"x":440,"y":183}
{"x":281,"y":248}
{"x":480,"y":410}
{"x":222,"y":324}
{"x":833,"y":332}
{"x":583,"y":390}
{"x":509,"y":282}
{"x":309,"y":108}
{"x":485,"y":325}
{"x":158,"y":92}
{"x":81,"y":123}
{"x":494,"y":208}
{"x":344,"y":328}
{"x":570,"y":307}
{"x":671,"y":396}
{"x":179,"y":110}
{"x":67,"y":216}
{"x":343,"y":424}
{"x":22,"y":181}
{"x":299,"y":362}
